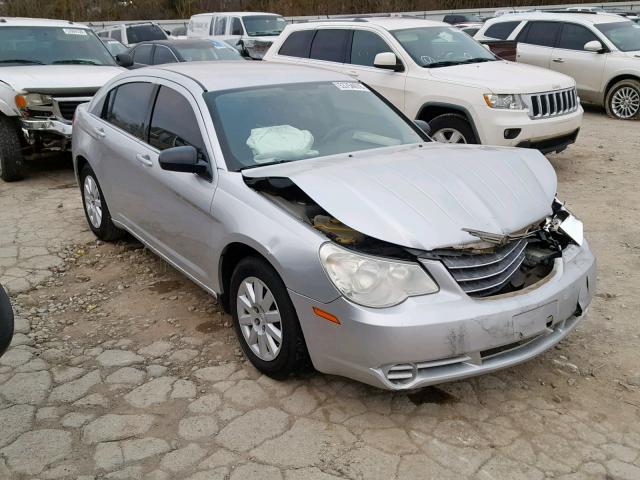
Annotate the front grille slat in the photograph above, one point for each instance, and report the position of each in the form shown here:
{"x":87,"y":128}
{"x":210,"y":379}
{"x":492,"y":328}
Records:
{"x":552,"y":104}
{"x":65,"y":107}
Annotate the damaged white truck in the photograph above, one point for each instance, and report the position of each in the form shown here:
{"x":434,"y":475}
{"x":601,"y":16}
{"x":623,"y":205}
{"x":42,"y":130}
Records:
{"x":47,"y":68}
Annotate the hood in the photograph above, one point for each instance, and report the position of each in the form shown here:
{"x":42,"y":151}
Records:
{"x":423,"y":197}
{"x":504,"y":77}
{"x":58,"y":78}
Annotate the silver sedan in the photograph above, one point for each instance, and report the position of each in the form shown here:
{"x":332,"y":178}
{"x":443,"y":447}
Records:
{"x":329,"y":226}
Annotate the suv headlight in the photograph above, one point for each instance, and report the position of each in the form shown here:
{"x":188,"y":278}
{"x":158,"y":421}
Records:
{"x":505,"y":101}
{"x":33,"y":100}
{"x":373,"y":281}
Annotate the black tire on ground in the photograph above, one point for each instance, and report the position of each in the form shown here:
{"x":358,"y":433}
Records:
{"x":627,"y":88}
{"x":293,"y":356}
{"x":453,"y":121}
{"x":11,"y":162}
{"x":106,"y":230}
{"x":6,"y":321}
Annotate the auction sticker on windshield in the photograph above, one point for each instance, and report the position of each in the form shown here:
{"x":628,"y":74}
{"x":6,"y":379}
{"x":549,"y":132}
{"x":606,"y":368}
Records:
{"x":351,"y":86}
{"x":74,"y":31}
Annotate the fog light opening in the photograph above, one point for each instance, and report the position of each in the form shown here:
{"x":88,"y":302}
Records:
{"x":511,"y":133}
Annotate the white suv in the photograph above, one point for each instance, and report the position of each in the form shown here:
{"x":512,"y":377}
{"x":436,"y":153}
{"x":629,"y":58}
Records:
{"x":436,"y":73}
{"x":601,"y":51}
{"x":133,"y":33}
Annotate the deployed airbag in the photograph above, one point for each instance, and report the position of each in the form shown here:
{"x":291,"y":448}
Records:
{"x":280,"y":142}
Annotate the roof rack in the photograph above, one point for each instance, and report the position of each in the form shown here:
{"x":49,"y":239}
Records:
{"x":586,"y":12}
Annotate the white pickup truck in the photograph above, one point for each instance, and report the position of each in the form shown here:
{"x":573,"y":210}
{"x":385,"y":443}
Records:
{"x":47,"y":68}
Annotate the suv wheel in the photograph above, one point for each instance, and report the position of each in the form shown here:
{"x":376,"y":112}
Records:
{"x":95,"y":207}
{"x":623,"y":100}
{"x":10,"y":151}
{"x":265,"y":320}
{"x":452,"y":128}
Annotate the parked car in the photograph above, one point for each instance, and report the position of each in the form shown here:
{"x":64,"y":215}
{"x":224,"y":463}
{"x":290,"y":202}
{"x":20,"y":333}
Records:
{"x":133,"y":33}
{"x":115,"y":47}
{"x":459,"y":18}
{"x":172,"y":51}
{"x":434,"y":72}
{"x":6,"y":321}
{"x":601,"y":51}
{"x":470,"y":28}
{"x":47,"y":68}
{"x":252,"y":33}
{"x":329,"y":226}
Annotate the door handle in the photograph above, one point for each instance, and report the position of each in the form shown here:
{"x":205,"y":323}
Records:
{"x":100,"y":132}
{"x":558,"y":60}
{"x":144,"y":160}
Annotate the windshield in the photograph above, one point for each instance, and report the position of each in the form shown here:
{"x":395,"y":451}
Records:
{"x":285,"y":123}
{"x":145,"y":33}
{"x":264,"y":25}
{"x":215,"y":50}
{"x":51,"y":45}
{"x":624,"y":35}
{"x":433,"y":47}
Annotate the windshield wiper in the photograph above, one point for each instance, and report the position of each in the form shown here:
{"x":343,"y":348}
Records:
{"x":22,"y":61}
{"x":443,"y":63}
{"x":265,"y":164}
{"x":479,"y":60}
{"x":75,"y":62}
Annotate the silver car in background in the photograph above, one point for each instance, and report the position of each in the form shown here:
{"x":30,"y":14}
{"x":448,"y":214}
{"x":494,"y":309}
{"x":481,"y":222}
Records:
{"x":330,"y":227}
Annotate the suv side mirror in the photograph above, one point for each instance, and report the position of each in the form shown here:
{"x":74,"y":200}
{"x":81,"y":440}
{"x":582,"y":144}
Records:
{"x":594,"y":46}
{"x":182,"y":159}
{"x":424,"y":126}
{"x":124,"y":60}
{"x":388,"y":61}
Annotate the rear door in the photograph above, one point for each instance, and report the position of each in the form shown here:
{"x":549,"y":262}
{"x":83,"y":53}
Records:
{"x":536,"y":42}
{"x":570,"y":57}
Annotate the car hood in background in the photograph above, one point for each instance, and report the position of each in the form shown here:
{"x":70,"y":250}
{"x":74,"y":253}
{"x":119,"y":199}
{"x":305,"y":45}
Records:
{"x":58,"y":78}
{"x":504,"y":77}
{"x":423,"y":197}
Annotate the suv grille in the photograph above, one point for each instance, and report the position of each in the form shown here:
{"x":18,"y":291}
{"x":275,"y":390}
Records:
{"x":552,"y":104}
{"x":65,"y":107}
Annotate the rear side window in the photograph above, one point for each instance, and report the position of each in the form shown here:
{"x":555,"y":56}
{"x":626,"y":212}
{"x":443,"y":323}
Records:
{"x":129,"y":107}
{"x":543,"y":34}
{"x":365,"y":47}
{"x":236,"y":27}
{"x":501,"y":31}
{"x":574,"y":37}
{"x":117,"y":34}
{"x":221,"y":26}
{"x":298,"y":44}
{"x":163,"y":55}
{"x":173,"y":123}
{"x":142,"y":54}
{"x":329,"y":45}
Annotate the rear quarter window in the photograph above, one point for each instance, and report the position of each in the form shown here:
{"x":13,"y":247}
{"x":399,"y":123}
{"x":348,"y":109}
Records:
{"x":298,"y":44}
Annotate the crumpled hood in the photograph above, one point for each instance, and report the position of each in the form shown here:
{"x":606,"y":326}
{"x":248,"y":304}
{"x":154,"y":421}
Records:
{"x":39,"y":78}
{"x":504,"y":77}
{"x":423,"y":197}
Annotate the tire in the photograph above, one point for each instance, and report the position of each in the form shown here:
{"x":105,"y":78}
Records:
{"x":623,"y":100}
{"x":95,"y":207}
{"x":11,"y":162}
{"x":451,"y":126}
{"x":291,"y":355}
{"x":6,"y":321}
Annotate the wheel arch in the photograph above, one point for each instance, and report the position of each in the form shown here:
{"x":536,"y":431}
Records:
{"x":618,"y":78}
{"x":430,"y":110}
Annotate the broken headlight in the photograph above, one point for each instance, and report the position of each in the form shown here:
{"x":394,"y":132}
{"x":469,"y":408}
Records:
{"x":372,"y":281}
{"x":33,"y":100}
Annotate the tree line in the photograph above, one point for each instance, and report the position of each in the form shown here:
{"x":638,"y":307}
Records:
{"x":87,"y":10}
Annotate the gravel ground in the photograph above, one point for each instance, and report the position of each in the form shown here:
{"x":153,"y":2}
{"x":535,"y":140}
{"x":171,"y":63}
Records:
{"x":123,"y":369}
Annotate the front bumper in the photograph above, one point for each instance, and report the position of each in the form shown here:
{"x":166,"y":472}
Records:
{"x":449,"y":335}
{"x":47,"y":125}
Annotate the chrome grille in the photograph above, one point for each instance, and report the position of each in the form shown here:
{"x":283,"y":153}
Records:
{"x":480,"y":275}
{"x":552,"y":104}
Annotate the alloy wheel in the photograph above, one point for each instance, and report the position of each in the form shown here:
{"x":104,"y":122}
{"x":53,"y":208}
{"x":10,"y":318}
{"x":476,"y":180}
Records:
{"x":625,"y":102}
{"x":259,"y":318}
{"x":449,"y":135}
{"x":92,"y":201}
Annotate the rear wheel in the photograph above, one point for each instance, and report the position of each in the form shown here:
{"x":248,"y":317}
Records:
{"x":11,"y":163}
{"x":95,"y":207}
{"x":623,"y":100}
{"x":452,"y":128}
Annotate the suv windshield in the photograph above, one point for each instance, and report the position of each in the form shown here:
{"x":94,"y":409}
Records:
{"x":284,"y":123}
{"x":145,"y":33}
{"x":51,"y":45}
{"x":433,"y":47}
{"x":264,"y":25}
{"x":624,"y":35}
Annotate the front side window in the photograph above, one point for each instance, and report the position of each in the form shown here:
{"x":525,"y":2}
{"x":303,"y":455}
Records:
{"x":173,"y":122}
{"x":298,"y":44}
{"x":574,"y":37}
{"x":624,"y":35}
{"x":543,"y":34}
{"x":221,"y":26}
{"x":145,"y":33}
{"x":501,"y":30}
{"x":116,"y":34}
{"x":365,"y":46}
{"x":142,"y":54}
{"x":285,"y":123}
{"x":329,"y":45}
{"x":163,"y":55}
{"x":264,"y":25}
{"x":433,"y":47}
{"x":52,"y":45}
{"x":129,"y":106}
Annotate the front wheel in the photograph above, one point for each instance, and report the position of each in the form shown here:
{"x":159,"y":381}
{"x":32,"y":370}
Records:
{"x":623,"y":100}
{"x":95,"y":207}
{"x":11,"y":167}
{"x":452,"y":128}
{"x":265,"y":320}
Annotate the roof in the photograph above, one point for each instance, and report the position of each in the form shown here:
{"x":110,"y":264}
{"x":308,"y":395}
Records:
{"x":585,"y":18}
{"x":388,"y":23}
{"x":236,"y":14}
{"x":187,"y":42}
{"x":38,"y":22}
{"x":227,"y":75}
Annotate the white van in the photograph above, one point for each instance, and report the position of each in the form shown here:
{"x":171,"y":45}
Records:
{"x":252,"y":33}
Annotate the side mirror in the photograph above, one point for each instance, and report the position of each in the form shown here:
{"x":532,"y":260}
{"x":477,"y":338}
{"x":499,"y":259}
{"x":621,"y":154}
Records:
{"x":424,"y":126}
{"x":182,"y":159}
{"x":387,"y":61}
{"x":124,"y":60}
{"x":594,"y":46}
